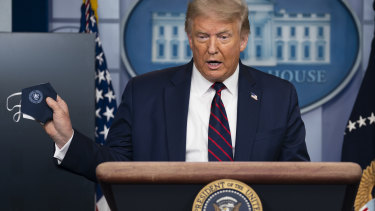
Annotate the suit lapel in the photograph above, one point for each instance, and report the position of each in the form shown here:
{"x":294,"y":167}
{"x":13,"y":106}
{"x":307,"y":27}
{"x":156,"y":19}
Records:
{"x":249,"y":99}
{"x":176,"y":109}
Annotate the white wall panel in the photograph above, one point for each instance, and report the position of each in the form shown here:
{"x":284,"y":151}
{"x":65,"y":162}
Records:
{"x":66,"y":8}
{"x":368,"y":12}
{"x":108,"y":9}
{"x":313,"y":124}
{"x":5,"y":15}
{"x":109,"y":35}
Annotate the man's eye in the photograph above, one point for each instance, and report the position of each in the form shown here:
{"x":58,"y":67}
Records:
{"x":223,"y":37}
{"x":202,"y":36}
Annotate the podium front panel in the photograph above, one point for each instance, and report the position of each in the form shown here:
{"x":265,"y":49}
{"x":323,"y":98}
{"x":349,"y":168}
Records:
{"x":162,"y":197}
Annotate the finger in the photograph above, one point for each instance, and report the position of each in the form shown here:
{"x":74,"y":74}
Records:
{"x":49,"y":128}
{"x":52,"y":104}
{"x":58,"y":98}
{"x":62,"y":104}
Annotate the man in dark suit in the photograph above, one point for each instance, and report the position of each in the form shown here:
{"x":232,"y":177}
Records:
{"x":212,"y":109}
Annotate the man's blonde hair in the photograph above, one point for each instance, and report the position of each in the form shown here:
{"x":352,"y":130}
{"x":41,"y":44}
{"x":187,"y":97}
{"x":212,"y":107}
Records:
{"x":226,"y":10}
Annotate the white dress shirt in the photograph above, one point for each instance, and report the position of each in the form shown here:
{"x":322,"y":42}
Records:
{"x":60,"y":153}
{"x":201,"y":95}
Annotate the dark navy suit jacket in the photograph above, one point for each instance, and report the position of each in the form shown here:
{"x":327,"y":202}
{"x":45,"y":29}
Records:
{"x":150,"y":124}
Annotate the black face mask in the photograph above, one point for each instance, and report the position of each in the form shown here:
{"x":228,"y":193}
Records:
{"x":33,"y":103}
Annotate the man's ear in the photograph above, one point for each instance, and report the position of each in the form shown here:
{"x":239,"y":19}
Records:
{"x":243,"y":44}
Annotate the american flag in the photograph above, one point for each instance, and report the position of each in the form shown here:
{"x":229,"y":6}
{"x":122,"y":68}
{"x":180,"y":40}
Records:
{"x":105,"y":100}
{"x":359,"y":138}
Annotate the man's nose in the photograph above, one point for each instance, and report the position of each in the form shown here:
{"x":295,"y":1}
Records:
{"x":212,"y":46}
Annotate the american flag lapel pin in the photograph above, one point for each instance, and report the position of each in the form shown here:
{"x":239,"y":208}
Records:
{"x":254,"y":96}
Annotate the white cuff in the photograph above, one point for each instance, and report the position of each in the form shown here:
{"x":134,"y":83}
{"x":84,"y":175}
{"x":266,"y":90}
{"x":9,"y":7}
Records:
{"x":60,"y":153}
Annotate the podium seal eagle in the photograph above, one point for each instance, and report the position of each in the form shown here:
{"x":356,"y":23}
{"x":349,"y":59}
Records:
{"x":227,"y":195}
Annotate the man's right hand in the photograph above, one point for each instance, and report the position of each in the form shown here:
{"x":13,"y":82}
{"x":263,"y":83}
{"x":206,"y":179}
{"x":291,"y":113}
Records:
{"x":60,"y":128}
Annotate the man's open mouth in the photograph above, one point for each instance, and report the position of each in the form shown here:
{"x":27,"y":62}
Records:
{"x":213,"y":63}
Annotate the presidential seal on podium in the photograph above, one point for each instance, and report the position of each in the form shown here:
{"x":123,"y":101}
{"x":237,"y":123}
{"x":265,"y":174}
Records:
{"x":227,"y":195}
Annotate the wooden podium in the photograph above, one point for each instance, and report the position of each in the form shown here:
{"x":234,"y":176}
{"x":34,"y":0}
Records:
{"x":280,"y":185}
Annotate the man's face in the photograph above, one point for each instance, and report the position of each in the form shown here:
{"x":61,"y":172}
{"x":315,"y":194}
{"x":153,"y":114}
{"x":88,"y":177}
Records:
{"x":216,"y":47}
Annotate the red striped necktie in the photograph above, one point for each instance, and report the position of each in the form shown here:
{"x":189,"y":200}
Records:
{"x":219,"y":137}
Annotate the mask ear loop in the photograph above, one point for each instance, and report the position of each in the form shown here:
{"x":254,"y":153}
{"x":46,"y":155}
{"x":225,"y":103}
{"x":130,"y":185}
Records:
{"x":17,"y":115}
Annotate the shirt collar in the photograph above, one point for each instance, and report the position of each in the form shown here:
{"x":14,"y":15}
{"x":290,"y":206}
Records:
{"x":201,"y":85}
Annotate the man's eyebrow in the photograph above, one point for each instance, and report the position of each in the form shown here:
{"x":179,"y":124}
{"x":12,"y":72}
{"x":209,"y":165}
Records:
{"x":224,"y":32}
{"x":219,"y":33}
{"x":200,"y":32}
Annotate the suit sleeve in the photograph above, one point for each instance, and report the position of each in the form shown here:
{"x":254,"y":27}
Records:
{"x":294,"y":145}
{"x":84,"y":155}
